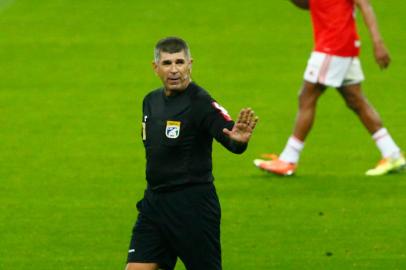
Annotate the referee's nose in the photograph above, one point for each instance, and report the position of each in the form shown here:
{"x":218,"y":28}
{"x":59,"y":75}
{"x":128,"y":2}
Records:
{"x":173,"y":68}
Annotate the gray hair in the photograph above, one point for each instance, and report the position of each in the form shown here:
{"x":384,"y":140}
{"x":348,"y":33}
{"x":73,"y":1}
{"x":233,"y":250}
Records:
{"x":170,"y":45}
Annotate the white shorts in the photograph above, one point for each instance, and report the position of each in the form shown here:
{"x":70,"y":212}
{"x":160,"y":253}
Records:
{"x":334,"y":71}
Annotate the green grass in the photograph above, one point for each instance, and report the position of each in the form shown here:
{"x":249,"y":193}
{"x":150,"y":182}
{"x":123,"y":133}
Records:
{"x":73,"y":75}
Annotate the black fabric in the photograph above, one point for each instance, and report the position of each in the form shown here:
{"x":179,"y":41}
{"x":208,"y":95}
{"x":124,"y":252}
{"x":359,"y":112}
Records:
{"x":185,"y":158}
{"x":182,"y":223}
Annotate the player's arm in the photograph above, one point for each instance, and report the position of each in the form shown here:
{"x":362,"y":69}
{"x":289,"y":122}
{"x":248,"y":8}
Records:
{"x":380,"y":52}
{"x":303,"y":4}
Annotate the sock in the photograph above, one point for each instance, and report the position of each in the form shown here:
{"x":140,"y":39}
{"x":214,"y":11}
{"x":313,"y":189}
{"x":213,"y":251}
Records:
{"x":292,"y":150}
{"x":385,"y":144}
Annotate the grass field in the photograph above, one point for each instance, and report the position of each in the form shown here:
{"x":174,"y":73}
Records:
{"x":72,"y":78}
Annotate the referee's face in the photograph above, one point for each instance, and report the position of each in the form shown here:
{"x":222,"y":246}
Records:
{"x":174,"y":70}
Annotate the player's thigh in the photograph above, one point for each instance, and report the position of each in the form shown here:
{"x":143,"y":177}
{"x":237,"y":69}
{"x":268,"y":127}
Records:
{"x":310,"y":92}
{"x":352,"y":94}
{"x":350,"y":90}
{"x":142,"y":266}
{"x":148,"y":248}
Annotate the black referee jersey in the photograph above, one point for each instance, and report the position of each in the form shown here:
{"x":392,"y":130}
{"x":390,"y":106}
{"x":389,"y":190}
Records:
{"x":178,"y":132}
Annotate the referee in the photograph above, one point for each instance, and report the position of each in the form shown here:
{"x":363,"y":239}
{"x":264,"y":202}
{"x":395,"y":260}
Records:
{"x":179,"y":216}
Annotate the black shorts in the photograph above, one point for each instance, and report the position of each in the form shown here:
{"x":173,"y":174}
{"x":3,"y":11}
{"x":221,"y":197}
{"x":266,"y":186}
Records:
{"x":184,"y":223}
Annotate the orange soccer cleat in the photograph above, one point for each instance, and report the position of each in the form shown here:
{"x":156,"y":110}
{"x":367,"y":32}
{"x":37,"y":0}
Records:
{"x":275,"y":165}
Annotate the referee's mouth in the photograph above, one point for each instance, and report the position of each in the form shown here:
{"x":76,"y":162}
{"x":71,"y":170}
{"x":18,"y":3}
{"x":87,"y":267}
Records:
{"x":173,"y":80}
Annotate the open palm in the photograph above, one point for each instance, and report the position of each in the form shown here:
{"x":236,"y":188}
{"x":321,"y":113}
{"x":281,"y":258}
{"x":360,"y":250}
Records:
{"x":244,"y":126}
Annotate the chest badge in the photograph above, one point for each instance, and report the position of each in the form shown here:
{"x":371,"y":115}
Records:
{"x":172,"y":129}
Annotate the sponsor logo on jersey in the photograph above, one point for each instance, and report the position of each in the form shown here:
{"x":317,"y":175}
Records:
{"x":172,"y":129}
{"x":222,"y":111}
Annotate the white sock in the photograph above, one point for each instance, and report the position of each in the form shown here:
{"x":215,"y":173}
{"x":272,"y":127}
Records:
{"x":385,"y":144}
{"x":292,"y":150}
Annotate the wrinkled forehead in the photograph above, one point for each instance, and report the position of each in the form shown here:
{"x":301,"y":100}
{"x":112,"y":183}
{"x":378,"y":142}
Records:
{"x":166,"y":56}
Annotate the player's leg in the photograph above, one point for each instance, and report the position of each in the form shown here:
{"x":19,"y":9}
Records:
{"x":359,"y":104}
{"x":287,"y":161}
{"x":392,"y":158}
{"x":308,"y":98}
{"x":322,"y":70}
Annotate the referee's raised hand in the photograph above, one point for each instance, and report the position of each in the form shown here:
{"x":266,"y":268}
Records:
{"x":244,"y":126}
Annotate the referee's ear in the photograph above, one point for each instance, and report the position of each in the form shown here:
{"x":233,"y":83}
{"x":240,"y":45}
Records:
{"x":190,"y":65}
{"x":154,"y":66}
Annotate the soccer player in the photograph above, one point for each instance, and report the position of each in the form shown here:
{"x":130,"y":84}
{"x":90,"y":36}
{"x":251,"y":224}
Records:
{"x":179,"y":215}
{"x":334,"y":63}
